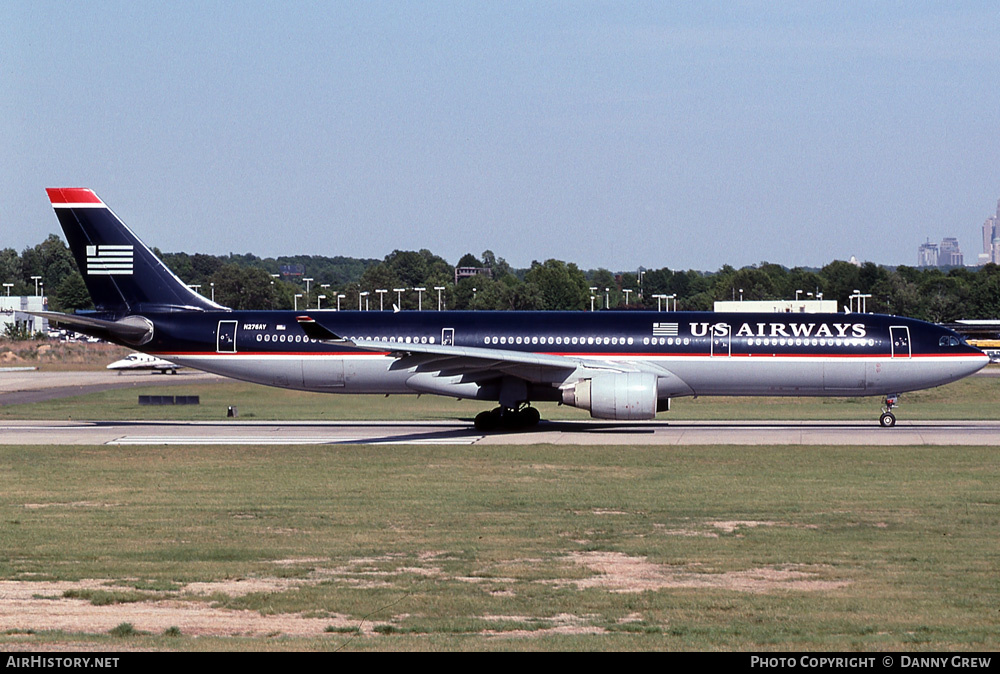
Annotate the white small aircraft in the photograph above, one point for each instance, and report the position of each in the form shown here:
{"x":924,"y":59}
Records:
{"x":144,"y":361}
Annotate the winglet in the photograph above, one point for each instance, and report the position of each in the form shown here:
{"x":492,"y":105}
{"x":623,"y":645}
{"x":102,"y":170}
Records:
{"x":316,"y":331}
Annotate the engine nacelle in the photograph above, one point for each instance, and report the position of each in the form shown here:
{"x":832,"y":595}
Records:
{"x":622,"y":396}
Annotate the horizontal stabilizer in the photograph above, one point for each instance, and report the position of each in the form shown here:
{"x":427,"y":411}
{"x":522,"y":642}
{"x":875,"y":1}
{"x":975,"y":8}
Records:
{"x":134,"y":330}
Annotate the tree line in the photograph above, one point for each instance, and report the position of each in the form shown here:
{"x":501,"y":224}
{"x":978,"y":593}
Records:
{"x":250,"y":282}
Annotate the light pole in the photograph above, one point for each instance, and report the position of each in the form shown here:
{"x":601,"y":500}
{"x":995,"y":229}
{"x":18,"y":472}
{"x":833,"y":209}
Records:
{"x":606,"y":301}
{"x":420,"y":298}
{"x":659,"y":301}
{"x":319,"y":299}
{"x":35,"y":279}
{"x":671,"y":297}
{"x":8,"y":286}
{"x":439,"y":289}
{"x":339,"y":297}
{"x":860,"y":300}
{"x":308,"y":281}
{"x":381,"y":298}
{"x":297,"y":301}
{"x":399,"y":296}
{"x":213,"y":292}
{"x":627,"y":292}
{"x":593,"y":289}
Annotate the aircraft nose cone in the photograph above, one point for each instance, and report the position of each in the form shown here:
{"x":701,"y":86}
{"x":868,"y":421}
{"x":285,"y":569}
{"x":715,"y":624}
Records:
{"x":977,"y":362}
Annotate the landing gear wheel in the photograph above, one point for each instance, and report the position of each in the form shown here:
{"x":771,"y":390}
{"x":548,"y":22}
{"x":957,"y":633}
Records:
{"x":888,"y":419}
{"x":507,"y":419}
{"x":529,"y":417}
{"x":487,"y":421}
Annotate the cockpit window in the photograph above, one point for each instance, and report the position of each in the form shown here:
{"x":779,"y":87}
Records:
{"x":950,"y":340}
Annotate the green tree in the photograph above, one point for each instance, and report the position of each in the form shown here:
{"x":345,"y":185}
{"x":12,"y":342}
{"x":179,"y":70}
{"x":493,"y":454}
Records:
{"x":51,"y":259}
{"x":11,"y":272}
{"x":562,"y":286}
{"x":244,"y":288}
{"x":70,"y":295}
{"x":945,"y":298}
{"x":607,"y":286}
{"x":840,"y":280}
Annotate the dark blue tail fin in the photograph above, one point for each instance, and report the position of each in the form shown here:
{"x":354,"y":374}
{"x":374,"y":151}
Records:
{"x":121,"y":273}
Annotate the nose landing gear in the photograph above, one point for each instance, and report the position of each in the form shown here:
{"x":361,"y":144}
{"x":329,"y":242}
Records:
{"x":888,"y":419}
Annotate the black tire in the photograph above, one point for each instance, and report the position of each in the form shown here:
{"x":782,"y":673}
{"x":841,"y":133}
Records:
{"x":485,"y":421}
{"x":530,"y":417}
{"x":887,"y":420}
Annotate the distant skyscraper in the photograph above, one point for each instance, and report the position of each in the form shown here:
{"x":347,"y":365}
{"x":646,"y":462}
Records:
{"x":927,"y":254}
{"x":991,"y":239}
{"x":950,"y":255}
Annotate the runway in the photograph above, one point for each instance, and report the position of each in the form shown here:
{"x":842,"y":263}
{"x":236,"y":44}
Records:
{"x":21,"y":387}
{"x":234,"y":432}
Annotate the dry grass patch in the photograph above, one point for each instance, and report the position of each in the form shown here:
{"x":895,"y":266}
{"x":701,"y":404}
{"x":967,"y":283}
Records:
{"x":617,"y":572}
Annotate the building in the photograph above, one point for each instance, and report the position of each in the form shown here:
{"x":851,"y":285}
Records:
{"x":12,"y":308}
{"x":469,"y":272}
{"x":991,"y":239}
{"x":778,"y":306}
{"x":949,"y":254}
{"x":927,"y":254}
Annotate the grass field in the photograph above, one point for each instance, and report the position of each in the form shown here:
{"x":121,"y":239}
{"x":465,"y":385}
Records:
{"x":500,"y":547}
{"x":542,"y":547}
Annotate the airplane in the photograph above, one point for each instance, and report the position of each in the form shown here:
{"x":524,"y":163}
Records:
{"x":144,"y":361}
{"x":616,"y":365}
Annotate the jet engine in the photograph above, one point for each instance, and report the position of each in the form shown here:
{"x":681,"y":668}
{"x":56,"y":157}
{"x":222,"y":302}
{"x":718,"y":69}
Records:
{"x":622,"y":396}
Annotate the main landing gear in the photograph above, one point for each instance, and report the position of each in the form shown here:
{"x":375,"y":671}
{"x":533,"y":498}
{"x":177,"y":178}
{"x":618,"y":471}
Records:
{"x":508,"y":419}
{"x":888,"y":418}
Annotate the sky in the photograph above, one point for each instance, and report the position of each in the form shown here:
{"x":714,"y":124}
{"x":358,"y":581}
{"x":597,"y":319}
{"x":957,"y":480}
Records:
{"x":610,"y":134}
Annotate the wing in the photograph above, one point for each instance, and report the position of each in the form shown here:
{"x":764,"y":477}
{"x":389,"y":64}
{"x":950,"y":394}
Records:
{"x":473,"y":363}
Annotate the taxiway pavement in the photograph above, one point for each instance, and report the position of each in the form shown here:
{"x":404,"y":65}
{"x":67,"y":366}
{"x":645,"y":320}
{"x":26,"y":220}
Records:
{"x":29,"y":386}
{"x":665,"y":433}
{"x":21,"y":387}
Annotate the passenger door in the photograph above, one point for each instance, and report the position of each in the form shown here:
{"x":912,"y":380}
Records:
{"x":722,"y":344}
{"x":899,"y":341}
{"x":226,"y":337}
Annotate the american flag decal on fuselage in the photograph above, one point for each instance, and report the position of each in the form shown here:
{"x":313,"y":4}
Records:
{"x":664,"y":329}
{"x":109,"y":260}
